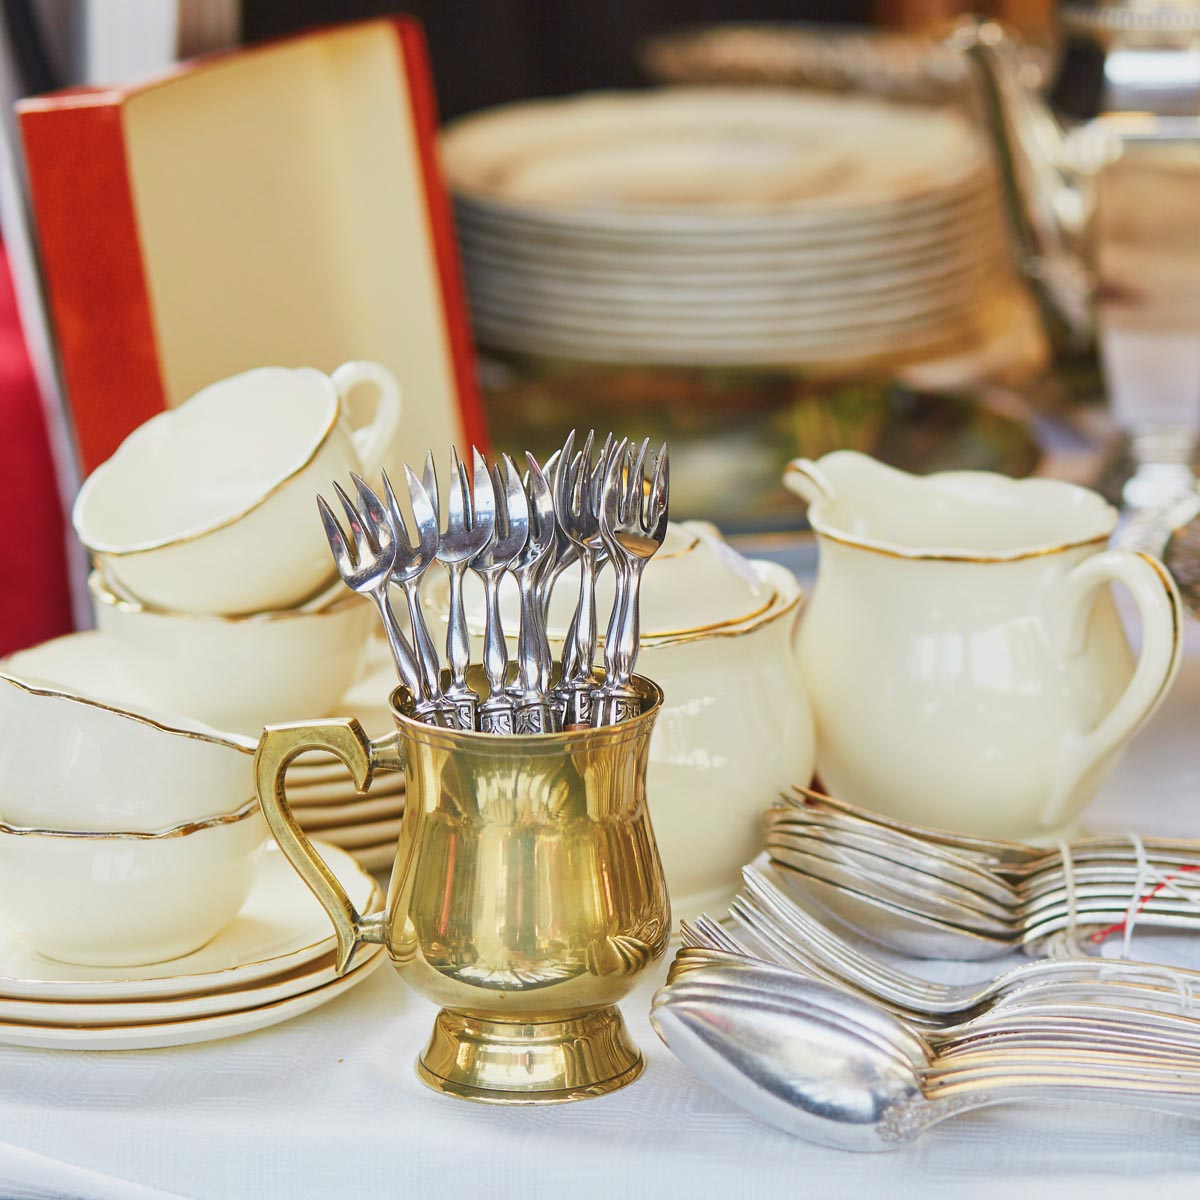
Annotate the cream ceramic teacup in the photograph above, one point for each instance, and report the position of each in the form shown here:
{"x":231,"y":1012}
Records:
{"x":208,"y":507}
{"x":962,"y":651}
{"x":238,"y":673}
{"x":123,"y":899}
{"x":78,"y":755}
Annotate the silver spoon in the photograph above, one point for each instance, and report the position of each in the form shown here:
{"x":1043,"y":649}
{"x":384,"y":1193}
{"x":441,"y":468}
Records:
{"x":827,"y":1083}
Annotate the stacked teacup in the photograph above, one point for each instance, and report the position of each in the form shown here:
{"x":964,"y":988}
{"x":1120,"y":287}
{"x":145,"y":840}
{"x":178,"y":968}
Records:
{"x":212,"y":570}
{"x":129,"y":831}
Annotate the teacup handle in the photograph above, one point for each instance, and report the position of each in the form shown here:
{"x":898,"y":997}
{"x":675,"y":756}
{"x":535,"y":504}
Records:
{"x":277,"y":747}
{"x":373,"y":441}
{"x":1161,"y":610}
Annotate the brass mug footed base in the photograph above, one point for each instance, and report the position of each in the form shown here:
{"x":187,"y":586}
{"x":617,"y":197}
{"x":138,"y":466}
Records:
{"x":572,"y":1057}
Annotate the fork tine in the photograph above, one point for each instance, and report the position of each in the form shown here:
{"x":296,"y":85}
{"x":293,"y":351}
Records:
{"x":516,"y":504}
{"x":585,"y":462}
{"x":563,"y":477}
{"x":501,"y":528}
{"x":362,"y":543}
{"x":395,"y":516}
{"x":635,"y":485}
{"x":598,"y":472}
{"x":430,"y":483}
{"x":660,"y":492}
{"x":376,"y":524}
{"x":337,"y":539}
{"x":610,"y":506}
{"x":424,"y":509}
{"x":459,"y":502}
{"x":483,"y":499}
{"x":540,"y":502}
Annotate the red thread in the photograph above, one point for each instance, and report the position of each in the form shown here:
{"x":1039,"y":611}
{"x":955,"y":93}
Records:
{"x":1101,"y":934}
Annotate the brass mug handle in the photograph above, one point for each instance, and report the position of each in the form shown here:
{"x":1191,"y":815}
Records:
{"x":277,"y":747}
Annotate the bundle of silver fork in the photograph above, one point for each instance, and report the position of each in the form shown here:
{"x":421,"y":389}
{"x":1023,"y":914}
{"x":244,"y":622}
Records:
{"x":596,"y":509}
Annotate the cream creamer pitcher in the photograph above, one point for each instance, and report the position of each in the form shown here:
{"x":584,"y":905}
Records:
{"x":965,"y":660}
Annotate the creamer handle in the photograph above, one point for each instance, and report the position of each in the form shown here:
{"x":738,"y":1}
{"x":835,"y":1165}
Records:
{"x":1158,"y":602}
{"x":803,"y":477}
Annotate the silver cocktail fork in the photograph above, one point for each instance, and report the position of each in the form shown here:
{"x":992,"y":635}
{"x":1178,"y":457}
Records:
{"x":413,"y":559}
{"x":508,"y":540}
{"x":565,"y":554}
{"x":365,"y":563}
{"x":633,"y":524}
{"x":470,"y":519}
{"x":534,"y":711}
{"x":575,"y":504}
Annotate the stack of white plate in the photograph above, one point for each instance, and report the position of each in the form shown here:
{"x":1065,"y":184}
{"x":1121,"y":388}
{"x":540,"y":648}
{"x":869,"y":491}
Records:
{"x":274,"y":962}
{"x":325,"y":804}
{"x":722,"y":226}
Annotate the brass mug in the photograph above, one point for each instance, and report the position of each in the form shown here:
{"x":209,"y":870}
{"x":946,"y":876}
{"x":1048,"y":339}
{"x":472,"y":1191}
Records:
{"x":526,"y":897}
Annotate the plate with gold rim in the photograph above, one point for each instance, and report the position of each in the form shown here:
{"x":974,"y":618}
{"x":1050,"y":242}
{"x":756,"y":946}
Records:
{"x":373,"y":834}
{"x":280,"y":927}
{"x":384,"y":784}
{"x":304,"y":978}
{"x":313,"y":818}
{"x":157,"y":1034}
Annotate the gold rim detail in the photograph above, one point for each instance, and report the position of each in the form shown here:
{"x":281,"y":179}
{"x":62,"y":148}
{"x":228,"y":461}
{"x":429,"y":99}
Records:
{"x":55,"y":693}
{"x":195,"y":534}
{"x":249,"y":809}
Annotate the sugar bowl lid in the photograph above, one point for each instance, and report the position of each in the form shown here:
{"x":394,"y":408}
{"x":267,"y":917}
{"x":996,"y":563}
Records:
{"x":696,"y":582}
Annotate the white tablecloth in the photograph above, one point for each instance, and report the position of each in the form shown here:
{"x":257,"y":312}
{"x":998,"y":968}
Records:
{"x":328,"y":1104}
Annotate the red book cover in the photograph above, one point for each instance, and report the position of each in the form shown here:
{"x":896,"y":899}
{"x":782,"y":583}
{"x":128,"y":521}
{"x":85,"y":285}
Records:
{"x":275,"y":205}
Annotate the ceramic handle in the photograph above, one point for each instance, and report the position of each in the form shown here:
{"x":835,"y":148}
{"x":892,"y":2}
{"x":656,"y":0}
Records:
{"x":1158,"y":602}
{"x":805,"y":479}
{"x":375,"y":440}
{"x":277,"y":747}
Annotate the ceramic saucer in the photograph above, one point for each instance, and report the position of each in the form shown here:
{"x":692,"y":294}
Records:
{"x":89,"y":1013}
{"x":315,"y":817}
{"x":181,"y":1033}
{"x":280,"y":928}
{"x":384,"y":784}
{"x":371,"y":834}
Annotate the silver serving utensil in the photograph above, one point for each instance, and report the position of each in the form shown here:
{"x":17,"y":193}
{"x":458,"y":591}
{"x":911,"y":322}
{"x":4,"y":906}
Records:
{"x":833,"y":1069}
{"x":470,"y":520}
{"x":911,"y":890}
{"x":633,"y":524}
{"x":1055,"y":1023}
{"x":769,"y":924}
{"x":413,"y":559}
{"x":508,"y":540}
{"x":534,"y":712}
{"x":365,"y":564}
